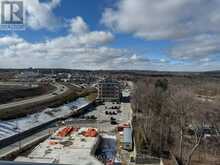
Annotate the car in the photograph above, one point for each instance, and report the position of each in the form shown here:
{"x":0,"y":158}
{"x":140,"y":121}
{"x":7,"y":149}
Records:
{"x":93,"y":117}
{"x":119,"y":111}
{"x":113,"y":122}
{"x":114,"y":113}
{"x":112,"y":119}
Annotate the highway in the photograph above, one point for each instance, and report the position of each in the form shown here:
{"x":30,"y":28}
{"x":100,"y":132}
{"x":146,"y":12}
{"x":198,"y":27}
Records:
{"x":60,"y":90}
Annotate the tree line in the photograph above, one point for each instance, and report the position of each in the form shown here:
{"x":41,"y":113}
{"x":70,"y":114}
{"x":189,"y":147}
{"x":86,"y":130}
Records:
{"x":165,"y":122}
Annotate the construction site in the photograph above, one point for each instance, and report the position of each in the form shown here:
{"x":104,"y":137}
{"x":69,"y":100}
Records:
{"x":68,"y":145}
{"x":77,"y":132}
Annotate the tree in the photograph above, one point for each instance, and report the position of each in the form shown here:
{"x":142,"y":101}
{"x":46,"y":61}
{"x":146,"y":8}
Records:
{"x":182,"y":105}
{"x":151,"y":115}
{"x":162,"y":83}
{"x":170,"y":116}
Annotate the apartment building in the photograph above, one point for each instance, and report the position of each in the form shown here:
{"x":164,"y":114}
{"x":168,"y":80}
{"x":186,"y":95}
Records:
{"x":109,"y":90}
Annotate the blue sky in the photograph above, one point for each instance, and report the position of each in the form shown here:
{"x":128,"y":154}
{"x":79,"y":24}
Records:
{"x":171,"y":35}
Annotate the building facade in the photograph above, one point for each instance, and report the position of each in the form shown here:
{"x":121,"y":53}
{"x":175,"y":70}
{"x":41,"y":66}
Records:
{"x":109,"y":90}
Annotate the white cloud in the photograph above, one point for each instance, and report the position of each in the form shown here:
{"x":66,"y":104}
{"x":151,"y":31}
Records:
{"x":197,"y":47}
{"x":61,"y":52}
{"x":70,"y":52}
{"x":82,"y":51}
{"x":85,"y":40}
{"x":40,"y":14}
{"x":53,"y":3}
{"x":159,"y":19}
{"x":192,"y":25}
{"x":79,"y":29}
{"x":74,"y":52}
{"x":78,"y":26}
{"x":10,"y":40}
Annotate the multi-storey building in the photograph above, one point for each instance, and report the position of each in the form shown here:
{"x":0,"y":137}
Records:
{"x":109,"y":90}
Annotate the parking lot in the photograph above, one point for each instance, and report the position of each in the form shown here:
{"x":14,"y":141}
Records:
{"x":109,"y":115}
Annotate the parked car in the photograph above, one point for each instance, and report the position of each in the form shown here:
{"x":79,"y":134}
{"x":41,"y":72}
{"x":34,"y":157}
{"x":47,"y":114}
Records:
{"x":112,"y":119}
{"x":119,"y":111}
{"x":113,"y":122}
{"x":114,"y":113}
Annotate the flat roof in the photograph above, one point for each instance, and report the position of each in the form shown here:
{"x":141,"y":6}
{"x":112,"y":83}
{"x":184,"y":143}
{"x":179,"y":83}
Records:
{"x":74,"y":148}
{"x":127,"y":133}
{"x":19,"y":125}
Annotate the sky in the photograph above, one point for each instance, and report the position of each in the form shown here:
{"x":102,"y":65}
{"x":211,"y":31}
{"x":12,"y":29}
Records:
{"x":163,"y":35}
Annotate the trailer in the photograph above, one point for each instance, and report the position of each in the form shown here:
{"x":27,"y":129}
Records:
{"x":127,"y":139}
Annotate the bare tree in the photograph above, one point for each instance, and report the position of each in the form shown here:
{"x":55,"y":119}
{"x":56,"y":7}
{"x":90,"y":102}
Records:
{"x":183,"y":105}
{"x":171,"y":117}
{"x":152,"y":115}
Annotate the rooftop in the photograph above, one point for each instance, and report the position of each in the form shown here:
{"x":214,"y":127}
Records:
{"x":67,"y":146}
{"x":15,"y":126}
{"x":127,"y":135}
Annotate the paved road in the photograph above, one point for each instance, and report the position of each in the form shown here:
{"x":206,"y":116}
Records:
{"x":24,"y":84}
{"x":60,"y":90}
